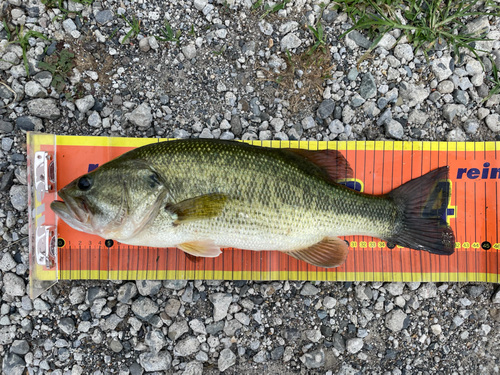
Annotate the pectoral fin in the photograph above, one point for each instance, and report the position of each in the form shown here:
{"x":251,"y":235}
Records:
{"x":331,"y":252}
{"x":205,"y":248}
{"x":198,"y":208}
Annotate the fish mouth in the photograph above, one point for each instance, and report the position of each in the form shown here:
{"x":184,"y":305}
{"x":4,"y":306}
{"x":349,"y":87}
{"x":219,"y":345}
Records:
{"x":74,"y":211}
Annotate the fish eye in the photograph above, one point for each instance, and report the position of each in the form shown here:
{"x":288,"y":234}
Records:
{"x":84,"y":183}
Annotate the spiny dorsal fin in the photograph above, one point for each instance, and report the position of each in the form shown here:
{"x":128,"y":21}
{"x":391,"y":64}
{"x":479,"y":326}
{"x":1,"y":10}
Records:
{"x":198,"y":208}
{"x":332,"y":161}
{"x":330,"y":252}
{"x":204,"y":248}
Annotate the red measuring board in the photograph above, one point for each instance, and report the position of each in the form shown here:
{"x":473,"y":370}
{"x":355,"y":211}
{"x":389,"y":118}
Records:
{"x":379,"y":167}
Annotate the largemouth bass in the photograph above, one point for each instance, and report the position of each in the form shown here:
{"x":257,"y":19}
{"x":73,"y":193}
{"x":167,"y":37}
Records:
{"x":204,"y":195}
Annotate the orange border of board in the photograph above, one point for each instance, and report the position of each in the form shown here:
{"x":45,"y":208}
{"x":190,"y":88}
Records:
{"x":379,"y":167}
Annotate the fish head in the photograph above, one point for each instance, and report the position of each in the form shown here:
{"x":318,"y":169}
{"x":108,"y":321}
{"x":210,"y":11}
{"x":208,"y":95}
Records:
{"x":115,"y":201}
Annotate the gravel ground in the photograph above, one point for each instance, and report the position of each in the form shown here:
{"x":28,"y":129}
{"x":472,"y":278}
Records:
{"x":229,"y":77}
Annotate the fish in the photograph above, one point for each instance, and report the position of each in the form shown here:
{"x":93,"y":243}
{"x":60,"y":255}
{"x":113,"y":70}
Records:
{"x":204,"y":195}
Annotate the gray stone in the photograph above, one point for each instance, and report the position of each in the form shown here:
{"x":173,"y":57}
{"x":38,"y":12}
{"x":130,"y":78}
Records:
{"x":359,"y":39}
{"x":357,"y":101}
{"x":412,"y":94}
{"x":13,"y":284}
{"x":155,"y":340}
{"x":35,"y":90}
{"x":309,"y":290}
{"x":221,"y":302}
{"x":474,"y":67}
{"x":40,"y":305}
{"x":404,"y":52}
{"x":441,"y":68}
{"x":493,"y":122}
{"x":445,"y":87}
{"x":353,"y":74}
{"x":260,"y":357}
{"x":141,"y":116}
{"x":427,"y":290}
{"x":288,"y":27}
{"x":315,"y":359}
{"x":7,"y":262}
{"x":20,"y":347}
{"x":394,"y":129}
{"x":6,"y":127}
{"x":460,"y":97}
{"x":148,"y":287}
{"x":336,"y":127}
{"x":181,"y":134}
{"x":7,"y":144}
{"x":382,"y":102}
{"x":326,"y":108}
{"x":115,"y":345}
{"x":478,"y":26}
{"x":69,"y":25}
{"x":395,"y":289}
{"x":308,"y":123}
{"x":94,"y":119}
{"x":395,"y":320}
{"x":194,"y":368}
{"x":471,"y":126}
{"x":387,"y":41}
{"x":347,"y":114}
{"x":456,"y":135}
{"x":265,"y":135}
{"x":93,"y":294}
{"x":172,"y":307}
{"x":104,"y":16}
{"x":200,"y":4}
{"x":155,"y":362}
{"x":417,"y":117}
{"x":111,"y":322}
{"x":363,"y":292}
{"x":144,"y":308}
{"x":127,"y":292}
{"x":175,"y":284}
{"x":8,"y":60}
{"x":44,"y":78}
{"x":329,"y":15}
{"x":186,"y":347}
{"x":189,"y":51}
{"x":206,"y":133}
{"x":177,"y":329}
{"x":29,"y":123}
{"x":354,"y":345}
{"x":198,"y":327}
{"x":226,"y":359}
{"x":85,"y":104}
{"x":19,"y":197}
{"x":44,"y":108}
{"x":368,"y":87}
{"x":452,"y":110}
{"x":290,"y":41}
{"x":277,"y":353}
{"x":67,"y":325}
{"x":13,"y":364}
{"x":265,"y":27}
{"x":231,"y":327}
{"x":135,"y":369}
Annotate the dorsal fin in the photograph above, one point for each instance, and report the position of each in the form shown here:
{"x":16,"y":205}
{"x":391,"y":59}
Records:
{"x":332,"y":161}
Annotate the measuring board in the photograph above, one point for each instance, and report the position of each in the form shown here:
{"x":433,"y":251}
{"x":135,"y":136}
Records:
{"x":60,"y":252}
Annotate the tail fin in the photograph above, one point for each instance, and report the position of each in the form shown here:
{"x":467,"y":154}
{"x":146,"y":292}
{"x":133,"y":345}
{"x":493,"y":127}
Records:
{"x":422,"y":209}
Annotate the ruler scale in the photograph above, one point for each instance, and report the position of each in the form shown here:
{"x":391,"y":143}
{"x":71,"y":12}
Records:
{"x":60,"y":252}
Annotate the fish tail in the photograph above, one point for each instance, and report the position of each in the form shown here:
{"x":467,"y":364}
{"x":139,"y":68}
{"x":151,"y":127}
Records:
{"x":421,"y":214}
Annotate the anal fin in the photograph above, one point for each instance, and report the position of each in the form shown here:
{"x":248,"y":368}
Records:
{"x":328,"y":253}
{"x":204,"y":248}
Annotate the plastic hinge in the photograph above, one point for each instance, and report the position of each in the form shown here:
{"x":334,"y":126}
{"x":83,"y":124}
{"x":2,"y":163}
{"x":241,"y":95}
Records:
{"x":44,"y":171}
{"x":45,"y":246}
